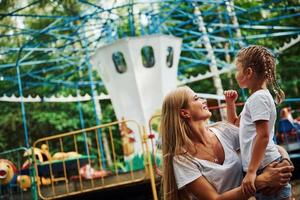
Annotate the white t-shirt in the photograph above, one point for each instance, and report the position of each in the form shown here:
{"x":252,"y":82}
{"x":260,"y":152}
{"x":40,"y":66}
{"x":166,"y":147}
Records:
{"x":259,"y":106}
{"x":223,"y":177}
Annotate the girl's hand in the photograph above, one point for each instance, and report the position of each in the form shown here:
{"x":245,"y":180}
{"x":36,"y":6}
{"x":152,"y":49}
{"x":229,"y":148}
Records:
{"x":230,"y":96}
{"x":248,"y":186}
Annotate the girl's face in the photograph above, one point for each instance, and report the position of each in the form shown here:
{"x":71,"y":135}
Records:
{"x":240,"y":75}
{"x":197,"y":108}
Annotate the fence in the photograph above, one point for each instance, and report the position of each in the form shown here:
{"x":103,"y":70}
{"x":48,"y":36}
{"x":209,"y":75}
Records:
{"x":81,"y":161}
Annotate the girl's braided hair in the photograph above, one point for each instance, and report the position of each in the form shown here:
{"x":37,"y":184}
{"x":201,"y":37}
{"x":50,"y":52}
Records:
{"x":262,"y":61}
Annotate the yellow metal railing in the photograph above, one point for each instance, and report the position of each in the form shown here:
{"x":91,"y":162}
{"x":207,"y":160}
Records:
{"x":154,"y":124}
{"x":90,"y":159}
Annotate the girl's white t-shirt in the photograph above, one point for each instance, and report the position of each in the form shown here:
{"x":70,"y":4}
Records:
{"x":259,"y":106}
{"x":222,"y":177}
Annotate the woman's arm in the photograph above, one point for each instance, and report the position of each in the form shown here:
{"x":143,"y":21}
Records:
{"x":203,"y":190}
{"x":271,"y":177}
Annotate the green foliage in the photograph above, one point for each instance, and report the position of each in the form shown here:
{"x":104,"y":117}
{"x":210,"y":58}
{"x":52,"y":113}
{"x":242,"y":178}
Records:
{"x":45,"y":119}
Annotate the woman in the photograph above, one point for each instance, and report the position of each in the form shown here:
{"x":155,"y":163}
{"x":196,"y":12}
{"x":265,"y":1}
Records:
{"x":201,"y":161}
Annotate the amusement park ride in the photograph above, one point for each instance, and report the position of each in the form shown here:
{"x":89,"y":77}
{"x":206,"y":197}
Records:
{"x":141,"y":50}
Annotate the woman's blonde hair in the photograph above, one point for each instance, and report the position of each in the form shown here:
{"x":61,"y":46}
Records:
{"x":176,"y":138}
{"x":262,"y":61}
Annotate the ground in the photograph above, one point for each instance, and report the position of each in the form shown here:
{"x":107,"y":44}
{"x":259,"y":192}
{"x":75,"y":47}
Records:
{"x":296,"y":189}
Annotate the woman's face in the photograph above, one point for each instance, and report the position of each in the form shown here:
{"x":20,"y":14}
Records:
{"x":197,"y":108}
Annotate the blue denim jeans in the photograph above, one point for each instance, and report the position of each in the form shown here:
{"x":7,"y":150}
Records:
{"x":284,"y":193}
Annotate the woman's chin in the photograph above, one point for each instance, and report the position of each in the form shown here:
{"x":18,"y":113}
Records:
{"x":209,"y":115}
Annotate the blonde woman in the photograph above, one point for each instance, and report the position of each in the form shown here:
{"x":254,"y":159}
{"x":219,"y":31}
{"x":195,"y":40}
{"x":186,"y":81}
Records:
{"x":200,"y":161}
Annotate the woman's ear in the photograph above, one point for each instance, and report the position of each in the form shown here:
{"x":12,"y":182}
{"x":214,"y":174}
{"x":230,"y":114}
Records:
{"x":184,"y":114}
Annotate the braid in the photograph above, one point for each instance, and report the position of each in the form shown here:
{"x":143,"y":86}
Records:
{"x":279,"y":94}
{"x":270,"y":71}
{"x":262,"y":61}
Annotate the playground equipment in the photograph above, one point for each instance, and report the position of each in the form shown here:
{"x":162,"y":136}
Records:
{"x":211,"y":32}
{"x":138,"y":73}
{"x":14,"y":182}
{"x":24,"y":182}
{"x":127,"y":139}
{"x":7,"y":172}
{"x":140,"y":54}
{"x":73,"y":169}
{"x":85,"y":172}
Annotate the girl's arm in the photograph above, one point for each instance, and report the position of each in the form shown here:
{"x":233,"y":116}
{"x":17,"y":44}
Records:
{"x":230,"y":98}
{"x":258,"y":152}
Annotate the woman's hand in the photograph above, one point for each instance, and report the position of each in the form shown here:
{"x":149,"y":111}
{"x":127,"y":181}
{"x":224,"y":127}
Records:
{"x":231,"y":96}
{"x":278,"y":174}
{"x":273,"y":190}
{"x":274,"y":177}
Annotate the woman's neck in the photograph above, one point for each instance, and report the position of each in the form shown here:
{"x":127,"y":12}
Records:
{"x":201,"y":132}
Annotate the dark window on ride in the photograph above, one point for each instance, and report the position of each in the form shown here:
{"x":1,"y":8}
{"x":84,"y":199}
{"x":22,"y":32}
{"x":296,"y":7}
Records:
{"x":170,"y":55}
{"x":148,"y":56}
{"x":119,"y":61}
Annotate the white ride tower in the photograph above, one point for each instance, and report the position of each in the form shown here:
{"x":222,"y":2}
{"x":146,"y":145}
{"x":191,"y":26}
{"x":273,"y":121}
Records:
{"x":138,"y":72}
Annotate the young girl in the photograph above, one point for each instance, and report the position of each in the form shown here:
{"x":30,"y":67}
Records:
{"x":256,"y":71}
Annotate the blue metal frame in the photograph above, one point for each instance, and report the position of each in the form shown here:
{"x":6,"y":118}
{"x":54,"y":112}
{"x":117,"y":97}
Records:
{"x":164,"y":17}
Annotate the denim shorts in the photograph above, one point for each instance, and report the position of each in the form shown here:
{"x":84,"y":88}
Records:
{"x":284,"y":193}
